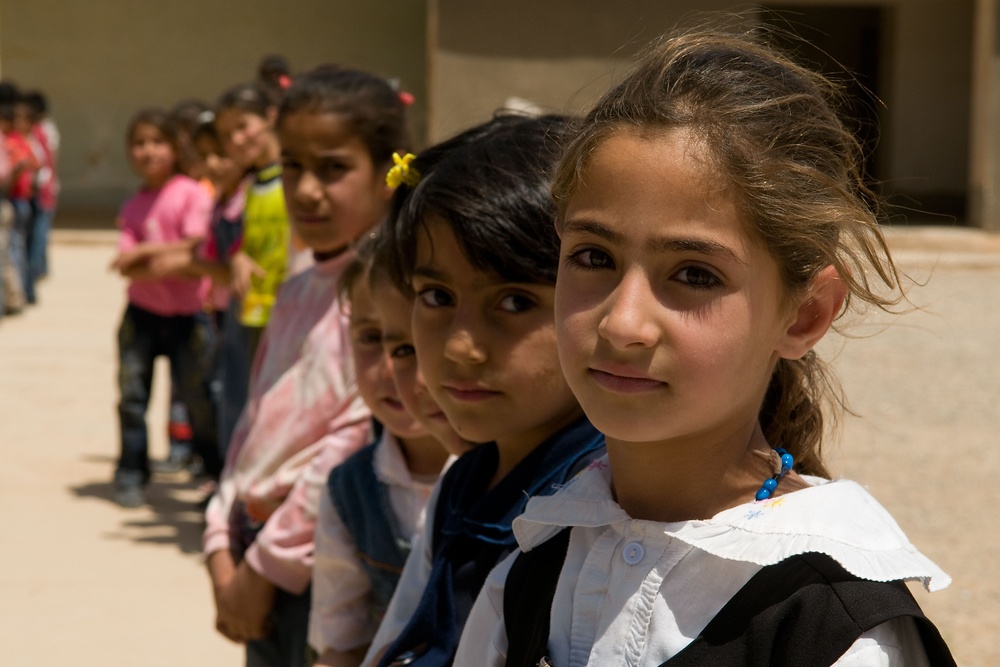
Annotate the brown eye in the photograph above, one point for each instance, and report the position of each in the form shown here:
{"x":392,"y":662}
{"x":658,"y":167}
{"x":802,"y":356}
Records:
{"x":592,"y":258}
{"x":697,"y":277}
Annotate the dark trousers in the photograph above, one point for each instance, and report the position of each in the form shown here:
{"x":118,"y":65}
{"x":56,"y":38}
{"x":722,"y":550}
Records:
{"x":232,"y":374}
{"x":286,"y":645}
{"x":186,"y":340}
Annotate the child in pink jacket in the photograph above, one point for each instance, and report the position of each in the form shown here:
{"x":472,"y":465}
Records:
{"x":304,"y":415}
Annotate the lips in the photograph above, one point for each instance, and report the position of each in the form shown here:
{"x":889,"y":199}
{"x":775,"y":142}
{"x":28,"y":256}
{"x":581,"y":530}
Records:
{"x":438,"y":417}
{"x":469,"y":392}
{"x":393,"y":404}
{"x":624,"y":379}
{"x":310,"y":219}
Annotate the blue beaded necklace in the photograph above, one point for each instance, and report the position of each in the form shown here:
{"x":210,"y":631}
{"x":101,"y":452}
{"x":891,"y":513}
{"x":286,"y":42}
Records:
{"x":771,"y":483}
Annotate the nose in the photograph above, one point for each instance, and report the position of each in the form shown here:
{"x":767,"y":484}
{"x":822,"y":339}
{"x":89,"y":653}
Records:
{"x":385,"y":368}
{"x":419,"y":384}
{"x":465,"y":344}
{"x":628,"y":319}
{"x":308,"y":189}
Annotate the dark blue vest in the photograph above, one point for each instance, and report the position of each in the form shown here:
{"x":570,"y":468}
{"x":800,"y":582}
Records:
{"x":362,"y":501}
{"x":472,"y":533}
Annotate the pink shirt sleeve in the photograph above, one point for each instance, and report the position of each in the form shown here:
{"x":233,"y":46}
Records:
{"x":304,"y":417}
{"x":197,"y":213}
{"x":130,"y":231}
{"x":283,"y":550}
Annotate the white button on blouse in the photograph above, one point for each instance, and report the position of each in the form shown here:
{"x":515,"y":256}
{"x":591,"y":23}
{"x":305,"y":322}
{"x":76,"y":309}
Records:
{"x":633,"y":553}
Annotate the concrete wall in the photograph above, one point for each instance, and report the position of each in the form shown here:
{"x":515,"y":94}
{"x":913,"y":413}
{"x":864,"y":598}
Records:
{"x":99,"y":61}
{"x":559,"y":54}
{"x":562,"y":54}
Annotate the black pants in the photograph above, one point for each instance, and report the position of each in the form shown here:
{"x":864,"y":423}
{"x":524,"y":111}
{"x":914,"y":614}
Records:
{"x":186,"y":340}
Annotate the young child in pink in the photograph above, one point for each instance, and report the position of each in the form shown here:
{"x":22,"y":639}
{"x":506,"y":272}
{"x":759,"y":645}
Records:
{"x":338,"y":129}
{"x":164,"y":314}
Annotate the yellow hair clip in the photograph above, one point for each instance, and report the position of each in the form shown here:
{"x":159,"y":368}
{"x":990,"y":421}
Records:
{"x":402,"y":173}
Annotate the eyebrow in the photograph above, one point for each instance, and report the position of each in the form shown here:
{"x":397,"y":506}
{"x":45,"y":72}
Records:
{"x":393,"y":336}
{"x":363,"y":321}
{"x":431,"y":273}
{"x":658,"y":244}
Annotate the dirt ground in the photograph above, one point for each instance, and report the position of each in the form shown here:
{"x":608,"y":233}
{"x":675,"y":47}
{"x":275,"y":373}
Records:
{"x":83,"y":582}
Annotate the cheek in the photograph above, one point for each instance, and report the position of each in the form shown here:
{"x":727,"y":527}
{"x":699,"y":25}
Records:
{"x":575,"y":333}
{"x":368,"y":369}
{"x":289,"y":184}
{"x":428,"y":339}
{"x":537,"y":357}
{"x":406,"y":386}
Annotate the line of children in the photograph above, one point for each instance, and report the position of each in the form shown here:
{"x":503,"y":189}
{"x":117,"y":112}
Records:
{"x":708,"y":226}
{"x":713,"y":225}
{"x":28,"y":194}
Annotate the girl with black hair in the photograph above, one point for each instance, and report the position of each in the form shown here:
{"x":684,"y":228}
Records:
{"x":474,"y":239}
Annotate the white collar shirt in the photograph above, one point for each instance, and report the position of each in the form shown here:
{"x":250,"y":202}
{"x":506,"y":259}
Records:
{"x":635,"y":592}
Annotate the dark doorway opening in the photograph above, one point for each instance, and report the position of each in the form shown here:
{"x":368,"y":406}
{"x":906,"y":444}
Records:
{"x":851,"y":45}
{"x":844,"y":43}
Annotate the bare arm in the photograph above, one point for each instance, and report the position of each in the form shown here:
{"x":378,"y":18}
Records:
{"x":243,"y":598}
{"x":152,"y":261}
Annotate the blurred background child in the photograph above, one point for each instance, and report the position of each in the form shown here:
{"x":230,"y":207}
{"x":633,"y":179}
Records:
{"x":230,"y":181}
{"x":184,"y":118}
{"x":210,"y":259}
{"x":16,"y":128}
{"x":165,"y":315}
{"x":45,"y":143}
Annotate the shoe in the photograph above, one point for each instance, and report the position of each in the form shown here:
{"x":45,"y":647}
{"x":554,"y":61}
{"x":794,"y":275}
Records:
{"x":130,"y":497}
{"x":176,"y":461}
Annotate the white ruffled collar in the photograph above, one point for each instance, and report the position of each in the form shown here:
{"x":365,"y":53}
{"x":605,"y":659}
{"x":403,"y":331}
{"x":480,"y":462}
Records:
{"x":839,"y":519}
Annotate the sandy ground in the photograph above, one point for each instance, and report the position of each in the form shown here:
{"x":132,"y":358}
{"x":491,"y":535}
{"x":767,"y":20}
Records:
{"x":83,"y":582}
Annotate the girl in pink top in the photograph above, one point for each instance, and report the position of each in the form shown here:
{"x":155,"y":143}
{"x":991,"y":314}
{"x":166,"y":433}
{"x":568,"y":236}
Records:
{"x":338,"y":130}
{"x":164,"y":314}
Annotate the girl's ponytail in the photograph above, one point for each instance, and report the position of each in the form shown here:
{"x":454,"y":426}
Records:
{"x":792,"y":414}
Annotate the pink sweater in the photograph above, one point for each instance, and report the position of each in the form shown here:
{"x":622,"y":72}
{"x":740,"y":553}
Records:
{"x":303,"y":418}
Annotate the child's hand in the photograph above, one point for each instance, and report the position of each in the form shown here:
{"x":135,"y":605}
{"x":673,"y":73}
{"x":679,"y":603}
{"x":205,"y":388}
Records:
{"x":170,"y":262}
{"x":244,"y":269}
{"x":125,"y":260}
{"x":243,"y":603}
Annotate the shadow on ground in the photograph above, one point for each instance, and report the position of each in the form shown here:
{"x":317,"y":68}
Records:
{"x":172,"y":515}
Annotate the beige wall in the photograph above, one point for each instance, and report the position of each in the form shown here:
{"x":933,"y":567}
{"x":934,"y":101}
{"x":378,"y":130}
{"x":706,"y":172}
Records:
{"x":562,"y":54}
{"x":559,"y":54}
{"x":99,"y":61}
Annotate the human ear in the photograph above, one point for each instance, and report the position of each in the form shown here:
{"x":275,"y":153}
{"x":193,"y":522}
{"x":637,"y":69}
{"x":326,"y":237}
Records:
{"x":816,"y":311}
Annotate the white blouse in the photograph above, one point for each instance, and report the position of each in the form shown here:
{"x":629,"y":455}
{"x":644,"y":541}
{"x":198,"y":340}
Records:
{"x":636,"y":592}
{"x":340,"y":617}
